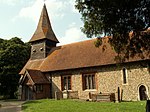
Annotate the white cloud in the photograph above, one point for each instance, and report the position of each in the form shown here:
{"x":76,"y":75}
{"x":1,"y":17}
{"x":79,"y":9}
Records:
{"x":31,"y":12}
{"x":55,"y":9}
{"x":72,"y":4}
{"x":72,"y":34}
{"x":9,"y":2}
{"x":72,"y":25}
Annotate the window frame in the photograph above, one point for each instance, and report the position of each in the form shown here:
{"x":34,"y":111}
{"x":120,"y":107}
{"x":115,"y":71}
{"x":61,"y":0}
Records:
{"x":39,"y":88}
{"x":89,"y":81}
{"x":124,"y":76}
{"x":68,"y":82}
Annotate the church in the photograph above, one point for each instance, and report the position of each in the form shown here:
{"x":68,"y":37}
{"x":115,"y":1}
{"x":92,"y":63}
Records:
{"x":80,"y":70}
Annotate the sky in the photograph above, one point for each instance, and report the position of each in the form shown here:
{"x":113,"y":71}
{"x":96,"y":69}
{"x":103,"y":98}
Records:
{"x":19,"y":18}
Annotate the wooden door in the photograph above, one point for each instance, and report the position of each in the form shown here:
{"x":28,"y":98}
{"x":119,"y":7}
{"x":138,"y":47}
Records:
{"x":28,"y":93}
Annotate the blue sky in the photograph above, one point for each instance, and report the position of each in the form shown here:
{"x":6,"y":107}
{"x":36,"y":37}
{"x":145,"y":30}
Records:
{"x":19,"y":18}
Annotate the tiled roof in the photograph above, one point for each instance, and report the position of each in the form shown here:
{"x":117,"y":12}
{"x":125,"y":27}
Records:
{"x":33,"y":65}
{"x":44,"y":29}
{"x":37,"y":77}
{"x":76,"y":55}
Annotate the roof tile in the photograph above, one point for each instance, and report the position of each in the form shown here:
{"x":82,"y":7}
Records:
{"x":76,"y":55}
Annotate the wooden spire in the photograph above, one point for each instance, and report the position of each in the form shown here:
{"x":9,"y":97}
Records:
{"x":44,"y":29}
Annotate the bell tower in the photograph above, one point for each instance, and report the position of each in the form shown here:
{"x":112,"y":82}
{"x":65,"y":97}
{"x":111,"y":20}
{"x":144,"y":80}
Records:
{"x":44,"y":39}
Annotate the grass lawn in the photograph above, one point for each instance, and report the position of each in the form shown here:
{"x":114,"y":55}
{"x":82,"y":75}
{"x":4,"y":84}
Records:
{"x":48,"y":105}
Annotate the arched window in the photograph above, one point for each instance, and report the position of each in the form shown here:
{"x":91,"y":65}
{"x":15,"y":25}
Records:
{"x":124,"y":72}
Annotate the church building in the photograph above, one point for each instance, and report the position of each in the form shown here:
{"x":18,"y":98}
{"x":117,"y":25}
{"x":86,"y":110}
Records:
{"x":80,"y":70}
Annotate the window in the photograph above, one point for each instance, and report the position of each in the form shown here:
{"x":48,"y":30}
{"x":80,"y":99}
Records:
{"x":88,"y":81}
{"x":39,"y":88}
{"x":124,"y":70}
{"x":66,"y":82}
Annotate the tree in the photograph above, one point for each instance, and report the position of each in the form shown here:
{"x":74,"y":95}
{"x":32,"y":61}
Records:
{"x":13,"y":55}
{"x":126,"y":21}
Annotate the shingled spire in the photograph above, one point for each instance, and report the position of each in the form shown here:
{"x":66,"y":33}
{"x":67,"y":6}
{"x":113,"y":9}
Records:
{"x":44,"y":29}
{"x":44,"y":39}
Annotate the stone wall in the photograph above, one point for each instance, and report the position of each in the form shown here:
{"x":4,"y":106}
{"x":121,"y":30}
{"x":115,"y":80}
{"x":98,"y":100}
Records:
{"x":56,"y":85}
{"x":108,"y":79}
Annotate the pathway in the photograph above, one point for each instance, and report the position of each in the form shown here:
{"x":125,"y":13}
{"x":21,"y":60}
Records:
{"x":11,"y":106}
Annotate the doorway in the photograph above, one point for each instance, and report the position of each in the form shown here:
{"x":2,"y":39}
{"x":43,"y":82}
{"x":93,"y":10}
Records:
{"x":142,"y":92}
{"x":28,"y":93}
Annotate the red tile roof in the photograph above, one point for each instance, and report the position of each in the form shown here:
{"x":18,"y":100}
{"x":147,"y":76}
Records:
{"x":33,"y":65}
{"x":37,"y":77}
{"x":76,"y":55}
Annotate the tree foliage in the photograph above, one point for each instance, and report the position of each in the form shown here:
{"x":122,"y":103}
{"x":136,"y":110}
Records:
{"x":13,"y":55}
{"x":118,"y":18}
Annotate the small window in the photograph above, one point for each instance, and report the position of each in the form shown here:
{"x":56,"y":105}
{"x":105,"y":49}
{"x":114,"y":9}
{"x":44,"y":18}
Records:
{"x":39,"y":88}
{"x":88,"y":81}
{"x":124,"y":70}
{"x":66,"y":82}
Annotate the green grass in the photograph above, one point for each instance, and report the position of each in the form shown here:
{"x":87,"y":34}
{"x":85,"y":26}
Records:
{"x":81,"y":106}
